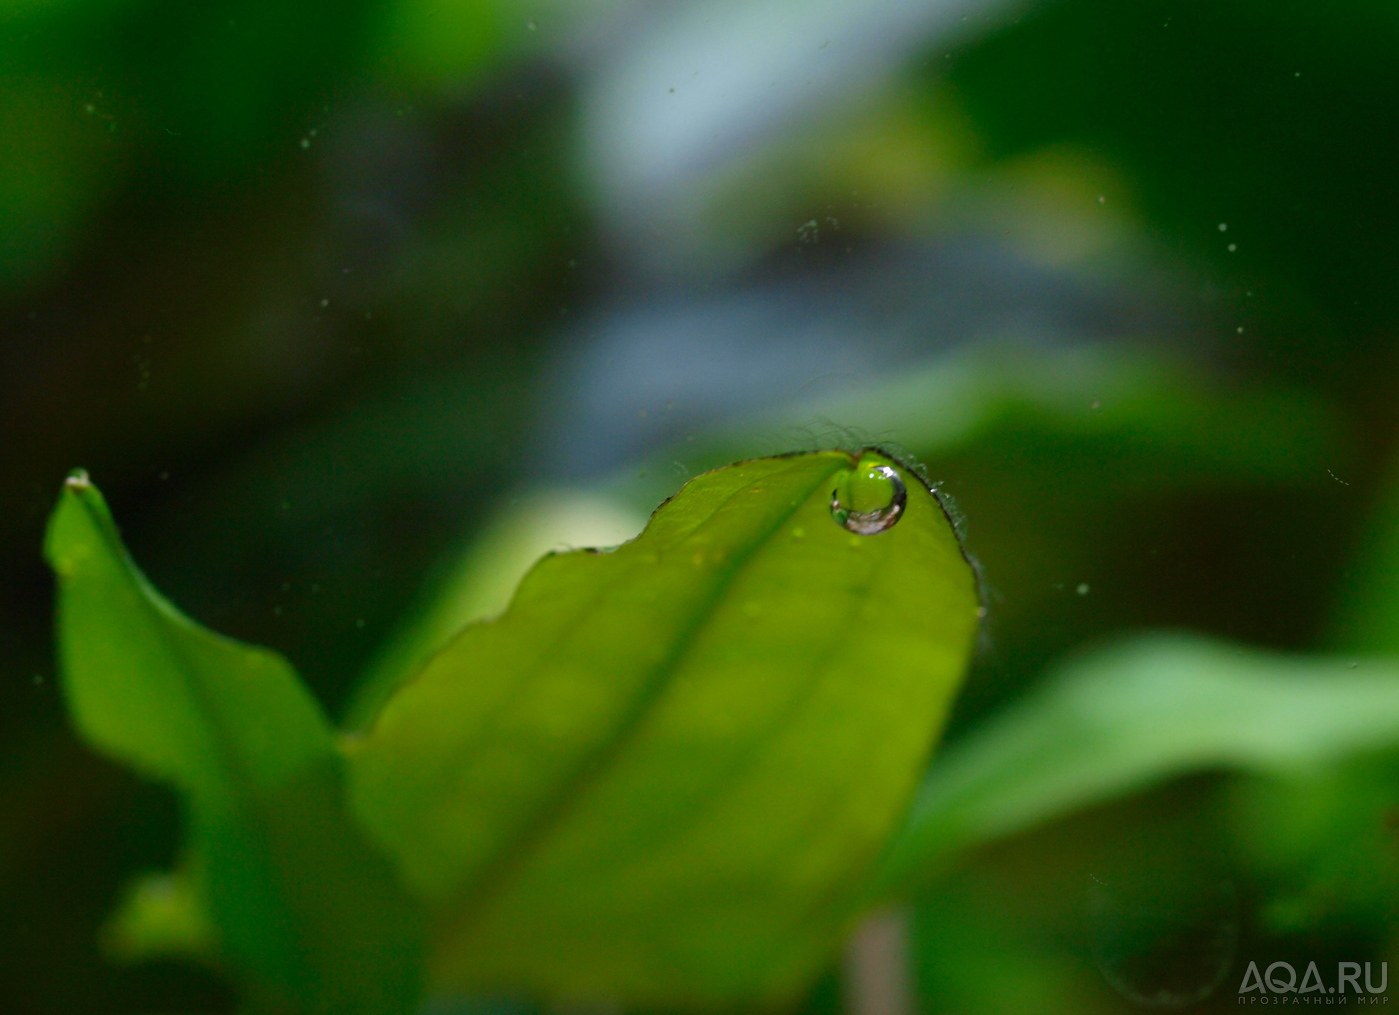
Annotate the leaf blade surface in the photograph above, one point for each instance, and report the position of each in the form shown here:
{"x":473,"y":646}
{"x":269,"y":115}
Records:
{"x":658,"y":774}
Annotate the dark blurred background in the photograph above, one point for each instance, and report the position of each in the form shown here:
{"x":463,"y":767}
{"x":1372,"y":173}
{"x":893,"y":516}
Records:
{"x":318,"y":291}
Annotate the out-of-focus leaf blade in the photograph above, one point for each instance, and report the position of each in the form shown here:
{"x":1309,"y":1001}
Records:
{"x":161,"y":915}
{"x":1324,"y":842}
{"x":1366,"y":617}
{"x":294,"y":894}
{"x":481,"y":583}
{"x":431,"y":43}
{"x":1132,"y":715}
{"x":661,"y":775}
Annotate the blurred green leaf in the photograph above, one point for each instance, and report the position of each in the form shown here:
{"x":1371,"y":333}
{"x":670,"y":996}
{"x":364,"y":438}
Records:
{"x":1323,"y":843}
{"x":660,"y":776}
{"x":978,"y":946}
{"x":1126,"y":717}
{"x":160,"y":915}
{"x":61,"y":162}
{"x":485,"y":577}
{"x":1365,"y":617}
{"x":1135,"y":897}
{"x":1325,"y":840}
{"x":295,"y":895}
{"x":444,"y":43}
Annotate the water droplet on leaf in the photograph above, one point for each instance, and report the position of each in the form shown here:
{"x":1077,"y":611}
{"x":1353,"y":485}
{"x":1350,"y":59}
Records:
{"x":870,"y":499}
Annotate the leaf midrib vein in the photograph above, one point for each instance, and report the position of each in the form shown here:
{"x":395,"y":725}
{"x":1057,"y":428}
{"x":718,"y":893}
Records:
{"x":496,"y":874}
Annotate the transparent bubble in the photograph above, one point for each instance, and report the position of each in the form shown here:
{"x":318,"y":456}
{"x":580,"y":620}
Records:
{"x":869,"y":499}
{"x":1163,"y":942}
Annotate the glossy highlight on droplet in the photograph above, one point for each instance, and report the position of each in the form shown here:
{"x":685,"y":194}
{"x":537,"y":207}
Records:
{"x":870,"y":499}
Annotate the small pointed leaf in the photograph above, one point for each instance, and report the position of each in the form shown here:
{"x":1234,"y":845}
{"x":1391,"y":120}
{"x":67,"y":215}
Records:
{"x":294,"y":896}
{"x":214,"y":717}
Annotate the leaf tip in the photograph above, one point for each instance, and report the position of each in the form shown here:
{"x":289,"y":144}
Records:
{"x":78,"y":524}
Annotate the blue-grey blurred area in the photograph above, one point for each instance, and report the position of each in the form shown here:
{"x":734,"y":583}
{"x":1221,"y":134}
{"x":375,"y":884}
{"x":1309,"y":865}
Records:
{"x":325,"y":297}
{"x":661,"y":366}
{"x":696,"y":89}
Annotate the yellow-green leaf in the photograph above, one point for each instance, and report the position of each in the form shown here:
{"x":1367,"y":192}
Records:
{"x":662,"y":774}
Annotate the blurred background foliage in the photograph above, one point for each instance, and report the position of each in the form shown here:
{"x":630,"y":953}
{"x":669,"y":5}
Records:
{"x":345,"y":305}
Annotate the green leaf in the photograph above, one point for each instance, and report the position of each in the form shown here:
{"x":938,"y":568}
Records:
{"x":295,"y":896}
{"x":481,"y":583}
{"x":1366,"y":614}
{"x":218,"y":719}
{"x":1116,"y":417}
{"x":160,"y":915}
{"x":1324,"y":843}
{"x":1129,"y":716}
{"x":435,"y":44}
{"x":661,"y":775}
{"x":1042,"y":437}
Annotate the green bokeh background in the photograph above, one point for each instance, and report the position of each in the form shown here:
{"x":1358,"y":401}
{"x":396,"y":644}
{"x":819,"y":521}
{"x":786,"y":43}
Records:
{"x":295,"y":283}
